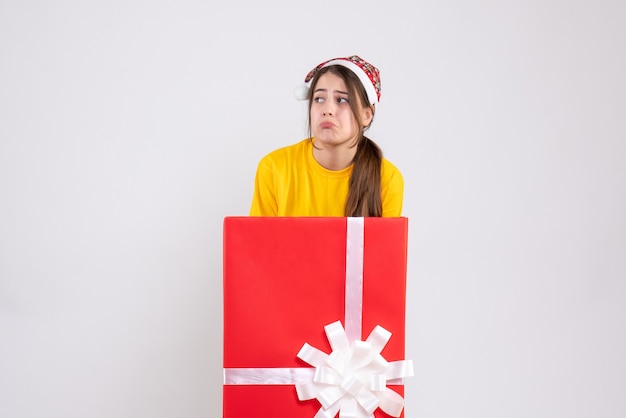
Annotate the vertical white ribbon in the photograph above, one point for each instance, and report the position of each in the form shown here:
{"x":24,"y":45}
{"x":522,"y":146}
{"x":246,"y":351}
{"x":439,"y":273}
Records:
{"x":354,"y":278}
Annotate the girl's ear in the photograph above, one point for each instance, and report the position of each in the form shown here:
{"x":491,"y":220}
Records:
{"x":367,"y":114}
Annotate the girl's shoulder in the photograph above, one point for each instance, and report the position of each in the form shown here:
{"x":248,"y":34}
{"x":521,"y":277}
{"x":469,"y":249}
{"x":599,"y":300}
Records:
{"x":388,"y":169}
{"x":288,"y":153}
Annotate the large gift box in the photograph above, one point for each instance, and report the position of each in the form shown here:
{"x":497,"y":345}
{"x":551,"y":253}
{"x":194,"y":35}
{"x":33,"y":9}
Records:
{"x":314,"y":317}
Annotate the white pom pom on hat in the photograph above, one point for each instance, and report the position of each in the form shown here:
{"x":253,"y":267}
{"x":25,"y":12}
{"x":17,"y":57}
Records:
{"x":301,"y":92}
{"x":367,"y":73}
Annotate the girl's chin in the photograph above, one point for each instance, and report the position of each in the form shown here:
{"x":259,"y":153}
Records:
{"x":326,"y":143}
{"x":325,"y":139}
{"x":332,"y":141}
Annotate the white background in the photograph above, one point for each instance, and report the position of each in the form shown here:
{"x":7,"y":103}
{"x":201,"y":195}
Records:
{"x":130,"y":128}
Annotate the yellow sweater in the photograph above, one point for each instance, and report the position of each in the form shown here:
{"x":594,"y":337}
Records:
{"x":289,"y":182}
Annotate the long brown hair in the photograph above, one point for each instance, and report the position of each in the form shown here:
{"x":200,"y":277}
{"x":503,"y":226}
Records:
{"x":364,"y":190}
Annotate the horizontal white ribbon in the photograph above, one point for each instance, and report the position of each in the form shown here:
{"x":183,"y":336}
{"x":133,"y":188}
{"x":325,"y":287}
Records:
{"x":268,"y":376}
{"x":277,"y":376}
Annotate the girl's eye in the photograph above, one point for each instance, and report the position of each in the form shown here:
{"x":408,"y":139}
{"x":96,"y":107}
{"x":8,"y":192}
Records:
{"x":318,"y":99}
{"x":342,"y":100}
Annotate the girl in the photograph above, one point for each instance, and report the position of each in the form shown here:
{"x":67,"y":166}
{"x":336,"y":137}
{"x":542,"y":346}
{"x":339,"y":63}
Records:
{"x":338,"y":171}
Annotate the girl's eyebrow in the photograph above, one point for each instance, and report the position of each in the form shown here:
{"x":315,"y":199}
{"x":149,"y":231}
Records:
{"x":324,"y":90}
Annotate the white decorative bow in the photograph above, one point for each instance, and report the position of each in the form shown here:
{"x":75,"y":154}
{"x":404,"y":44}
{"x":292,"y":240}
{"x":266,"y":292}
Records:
{"x":352,"y":380}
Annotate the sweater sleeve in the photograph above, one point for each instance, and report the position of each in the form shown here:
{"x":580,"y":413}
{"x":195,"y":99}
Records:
{"x":264,"y":198}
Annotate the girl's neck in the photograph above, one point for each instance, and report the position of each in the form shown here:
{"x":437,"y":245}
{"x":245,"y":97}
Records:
{"x":333,"y":158}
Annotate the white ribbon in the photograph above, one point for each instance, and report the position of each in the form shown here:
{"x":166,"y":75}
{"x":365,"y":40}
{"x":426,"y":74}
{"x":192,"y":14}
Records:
{"x":267,"y":376}
{"x":355,"y":238}
{"x":352,"y":380}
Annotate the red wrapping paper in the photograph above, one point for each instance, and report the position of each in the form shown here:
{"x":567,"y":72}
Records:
{"x":284,"y":280}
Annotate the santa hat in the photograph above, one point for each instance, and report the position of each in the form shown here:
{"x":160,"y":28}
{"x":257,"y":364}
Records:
{"x":367,"y":73}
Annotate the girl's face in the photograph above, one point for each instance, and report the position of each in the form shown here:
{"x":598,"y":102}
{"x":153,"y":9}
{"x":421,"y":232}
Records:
{"x":332,"y":121}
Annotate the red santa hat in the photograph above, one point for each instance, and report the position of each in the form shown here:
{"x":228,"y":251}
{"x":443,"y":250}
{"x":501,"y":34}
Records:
{"x":367,"y":73}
